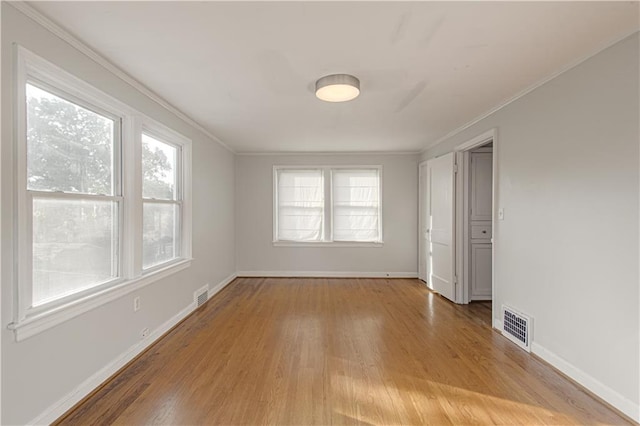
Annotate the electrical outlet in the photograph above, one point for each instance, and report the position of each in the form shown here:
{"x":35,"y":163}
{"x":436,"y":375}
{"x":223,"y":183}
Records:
{"x":136,"y":304}
{"x":144,"y":333}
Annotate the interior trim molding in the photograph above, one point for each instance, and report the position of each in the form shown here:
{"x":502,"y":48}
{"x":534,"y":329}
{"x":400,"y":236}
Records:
{"x":57,"y":409}
{"x":326,"y":274}
{"x":321,"y":153}
{"x":526,"y":91}
{"x":82,"y":47}
{"x":590,"y":383}
{"x":39,"y":323}
{"x":222,"y":284}
{"x":610,"y":396}
{"x":497,"y":325}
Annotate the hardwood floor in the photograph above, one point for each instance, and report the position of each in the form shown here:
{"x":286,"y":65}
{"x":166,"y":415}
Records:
{"x":337,"y":351}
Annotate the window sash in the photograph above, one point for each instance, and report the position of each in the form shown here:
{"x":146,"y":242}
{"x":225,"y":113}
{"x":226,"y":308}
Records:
{"x":178,"y":172}
{"x":25,"y":292}
{"x":116,"y":164}
{"x":178,"y":231}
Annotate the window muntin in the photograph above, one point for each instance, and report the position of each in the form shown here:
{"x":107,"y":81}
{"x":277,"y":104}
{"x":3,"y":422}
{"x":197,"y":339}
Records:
{"x":300,"y":205}
{"x":72,"y":191}
{"x":339,"y":205}
{"x":161,"y":204}
{"x":356,"y":205}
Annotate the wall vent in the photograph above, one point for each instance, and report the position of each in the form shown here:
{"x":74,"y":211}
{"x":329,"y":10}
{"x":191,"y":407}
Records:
{"x":201,"y":295}
{"x":516,"y":327}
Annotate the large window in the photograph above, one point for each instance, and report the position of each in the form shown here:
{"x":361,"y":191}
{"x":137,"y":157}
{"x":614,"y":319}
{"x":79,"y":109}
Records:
{"x":72,"y":194}
{"x":102,"y":197}
{"x":327,"y":205}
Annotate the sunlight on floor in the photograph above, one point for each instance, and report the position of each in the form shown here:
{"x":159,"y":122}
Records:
{"x":434,"y":404}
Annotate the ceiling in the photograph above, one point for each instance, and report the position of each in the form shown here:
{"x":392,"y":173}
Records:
{"x":245,"y":71}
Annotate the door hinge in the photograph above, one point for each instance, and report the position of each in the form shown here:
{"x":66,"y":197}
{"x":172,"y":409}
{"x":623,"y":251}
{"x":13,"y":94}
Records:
{"x":455,"y":168}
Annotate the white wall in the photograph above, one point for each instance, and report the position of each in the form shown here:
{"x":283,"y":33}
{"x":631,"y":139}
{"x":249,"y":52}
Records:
{"x":567,"y":250}
{"x":254,"y":219}
{"x":43,"y":369}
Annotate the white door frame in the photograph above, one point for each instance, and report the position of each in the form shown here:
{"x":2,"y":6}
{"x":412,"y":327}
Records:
{"x":462,"y":153}
{"x":422,"y":225}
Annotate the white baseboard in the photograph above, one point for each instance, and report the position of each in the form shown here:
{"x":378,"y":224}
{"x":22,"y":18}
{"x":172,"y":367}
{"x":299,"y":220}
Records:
{"x":222,"y":284}
{"x":327,"y":274}
{"x":497,"y":324}
{"x":617,"y":400}
{"x":56,"y":410}
{"x":626,"y":406}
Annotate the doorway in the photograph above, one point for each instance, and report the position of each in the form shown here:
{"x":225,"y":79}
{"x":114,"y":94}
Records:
{"x":477,"y":229}
{"x":476,"y":217}
{"x":472,"y":170}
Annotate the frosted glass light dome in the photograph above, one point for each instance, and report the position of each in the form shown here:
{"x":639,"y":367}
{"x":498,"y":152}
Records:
{"x":337,"y":88}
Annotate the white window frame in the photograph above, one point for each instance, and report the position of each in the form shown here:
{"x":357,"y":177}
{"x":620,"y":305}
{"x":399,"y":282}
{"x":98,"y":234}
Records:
{"x":127,"y":180}
{"x":183,"y":175}
{"x":327,"y":173}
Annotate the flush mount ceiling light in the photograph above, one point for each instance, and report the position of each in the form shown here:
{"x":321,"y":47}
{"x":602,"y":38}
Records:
{"x":337,"y":88}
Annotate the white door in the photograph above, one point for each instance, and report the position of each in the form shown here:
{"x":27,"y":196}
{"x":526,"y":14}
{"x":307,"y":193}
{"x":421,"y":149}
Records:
{"x":441,"y":210}
{"x":423,"y":239}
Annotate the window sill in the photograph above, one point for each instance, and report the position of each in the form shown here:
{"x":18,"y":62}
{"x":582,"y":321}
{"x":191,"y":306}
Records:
{"x":335,"y":244}
{"x":42,"y":321}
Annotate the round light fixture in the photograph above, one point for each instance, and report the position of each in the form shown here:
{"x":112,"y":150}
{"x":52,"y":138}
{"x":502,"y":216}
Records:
{"x":337,"y":88}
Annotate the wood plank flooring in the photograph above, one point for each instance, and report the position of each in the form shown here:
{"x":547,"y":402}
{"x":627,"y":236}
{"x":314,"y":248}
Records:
{"x":301,"y":351}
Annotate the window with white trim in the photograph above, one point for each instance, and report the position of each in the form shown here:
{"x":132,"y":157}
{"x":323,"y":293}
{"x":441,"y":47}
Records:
{"x":327,"y":205}
{"x":161,"y":201}
{"x":300,"y":195}
{"x":356,"y":204}
{"x":73,"y":194}
{"x":103,"y":196}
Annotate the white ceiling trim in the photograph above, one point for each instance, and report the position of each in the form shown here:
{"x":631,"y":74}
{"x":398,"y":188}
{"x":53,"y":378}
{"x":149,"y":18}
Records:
{"x":526,"y":91}
{"x":320,"y":153}
{"x":78,"y":44}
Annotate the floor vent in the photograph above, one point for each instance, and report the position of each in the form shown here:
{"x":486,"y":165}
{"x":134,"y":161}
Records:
{"x":516,"y":327}
{"x":201,"y":296}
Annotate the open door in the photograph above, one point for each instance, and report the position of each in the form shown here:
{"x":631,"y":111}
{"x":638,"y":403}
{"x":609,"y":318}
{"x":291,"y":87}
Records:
{"x":440,"y":225}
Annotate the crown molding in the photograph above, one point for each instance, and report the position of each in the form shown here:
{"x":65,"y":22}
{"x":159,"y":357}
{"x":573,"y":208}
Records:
{"x":321,"y":153}
{"x":79,"y":45}
{"x":529,"y":89}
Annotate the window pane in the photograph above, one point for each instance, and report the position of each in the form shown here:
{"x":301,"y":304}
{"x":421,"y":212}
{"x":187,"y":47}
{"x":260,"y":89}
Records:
{"x":300,"y":205}
{"x":69,"y":148}
{"x":159,"y":237}
{"x":356,"y":205}
{"x":74,"y":246}
{"x":158,"y":169}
